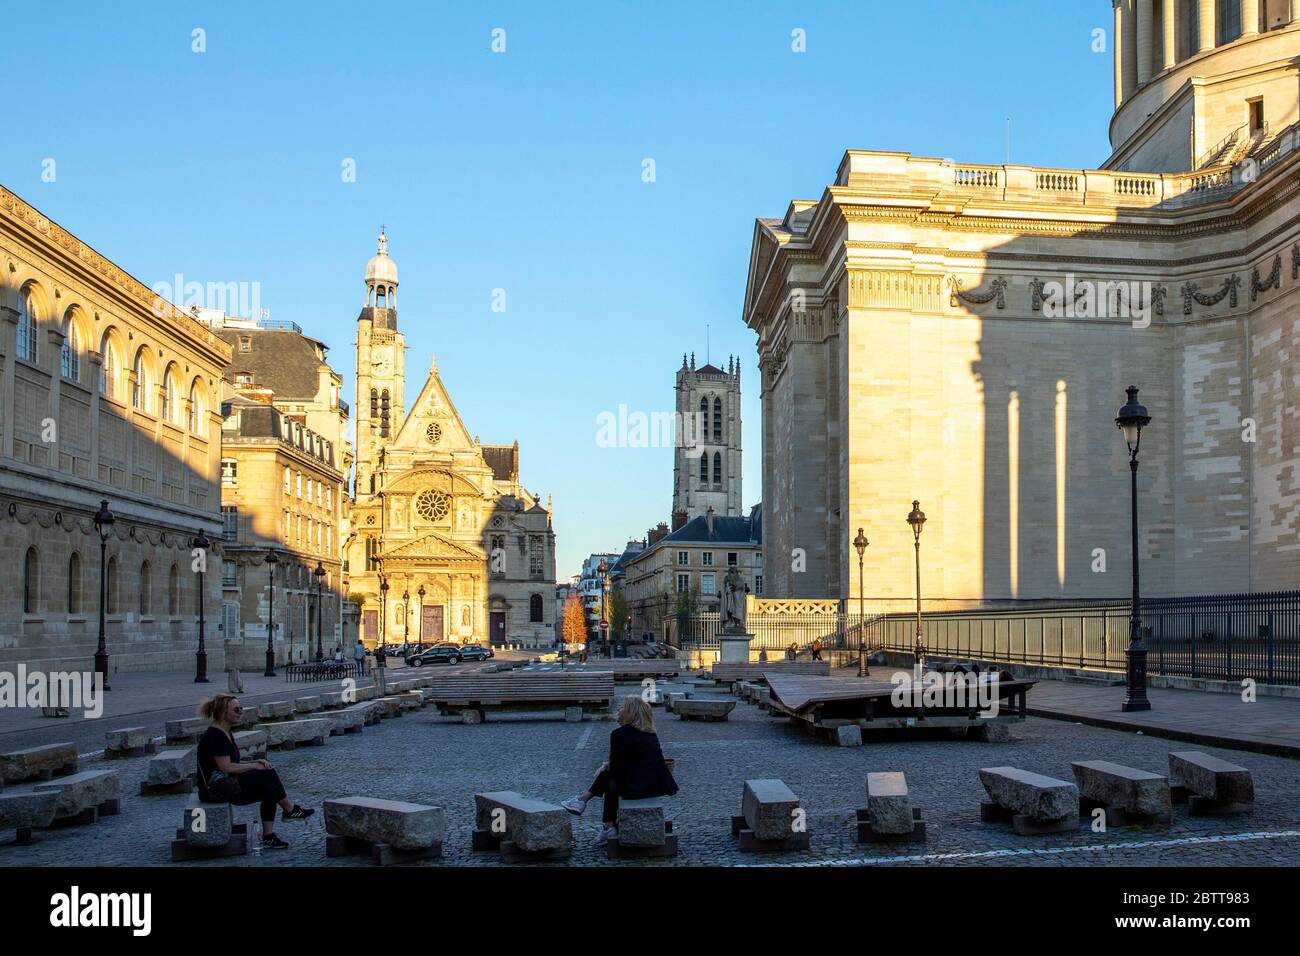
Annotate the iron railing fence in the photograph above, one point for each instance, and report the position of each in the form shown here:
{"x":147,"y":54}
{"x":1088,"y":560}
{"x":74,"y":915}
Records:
{"x":320,"y":671}
{"x":1228,"y":637}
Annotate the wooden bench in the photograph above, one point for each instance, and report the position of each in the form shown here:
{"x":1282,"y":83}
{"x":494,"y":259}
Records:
{"x":1129,"y":796}
{"x":731,"y":673}
{"x":703,"y":708}
{"x":771,"y":818}
{"x":38,"y":763}
{"x":84,"y":797}
{"x":389,"y":831}
{"x":472,"y":695}
{"x":1035,"y":804}
{"x":520,"y":828}
{"x":129,"y":742}
{"x":1209,"y":785}
{"x":642,"y":831}
{"x":24,"y":812}
{"x":171,"y":771}
{"x":209,"y":830}
{"x":889,"y":816}
{"x":628,"y":669}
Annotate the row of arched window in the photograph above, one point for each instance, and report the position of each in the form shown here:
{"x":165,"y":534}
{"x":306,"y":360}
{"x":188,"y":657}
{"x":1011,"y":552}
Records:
{"x":379,"y":409}
{"x":73,"y":600}
{"x":704,"y":419}
{"x":144,"y":392}
{"x":717,"y":468}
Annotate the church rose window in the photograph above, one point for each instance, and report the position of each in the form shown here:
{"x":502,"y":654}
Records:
{"x":431,"y":505}
{"x":433,"y":433}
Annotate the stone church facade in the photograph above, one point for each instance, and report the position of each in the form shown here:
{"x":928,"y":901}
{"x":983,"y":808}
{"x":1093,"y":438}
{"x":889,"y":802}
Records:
{"x":707,"y":458}
{"x":963,"y":334}
{"x":435,"y":509}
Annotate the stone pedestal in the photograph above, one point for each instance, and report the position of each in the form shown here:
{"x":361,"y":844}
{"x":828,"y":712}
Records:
{"x":734,"y":647}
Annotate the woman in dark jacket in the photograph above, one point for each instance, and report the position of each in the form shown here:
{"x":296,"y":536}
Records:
{"x":635,"y":769}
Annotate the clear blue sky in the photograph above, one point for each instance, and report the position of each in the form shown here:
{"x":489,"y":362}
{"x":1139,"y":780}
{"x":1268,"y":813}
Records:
{"x":521,"y":171}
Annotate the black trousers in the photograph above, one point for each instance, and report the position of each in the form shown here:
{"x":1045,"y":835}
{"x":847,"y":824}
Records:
{"x":604,"y":786}
{"x":260,"y":786}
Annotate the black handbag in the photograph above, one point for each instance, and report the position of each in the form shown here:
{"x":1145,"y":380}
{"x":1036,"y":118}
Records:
{"x":222,"y":786}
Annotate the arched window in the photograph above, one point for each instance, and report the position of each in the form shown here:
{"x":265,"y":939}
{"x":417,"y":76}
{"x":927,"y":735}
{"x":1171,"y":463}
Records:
{"x":28,"y":323}
{"x":703,"y":423}
{"x":108,"y":370}
{"x":31,"y":582}
{"x":145,"y":586}
{"x":374,"y":403}
{"x":140,"y":385}
{"x":70,"y":354}
{"x":196,"y":411}
{"x":110,"y":585}
{"x":717,"y":468}
{"x":173,"y":592}
{"x":169,"y":409}
{"x":535,"y":609}
{"x":704,"y":468}
{"x":717,"y":419}
{"x":74,"y":583}
{"x":383,"y":413}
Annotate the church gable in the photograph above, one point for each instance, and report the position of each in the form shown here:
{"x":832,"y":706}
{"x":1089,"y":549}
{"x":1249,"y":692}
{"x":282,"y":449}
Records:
{"x":432,"y":424}
{"x":433,"y":547}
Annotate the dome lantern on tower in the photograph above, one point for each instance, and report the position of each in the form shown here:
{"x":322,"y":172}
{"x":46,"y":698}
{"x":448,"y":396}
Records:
{"x":381,"y":278}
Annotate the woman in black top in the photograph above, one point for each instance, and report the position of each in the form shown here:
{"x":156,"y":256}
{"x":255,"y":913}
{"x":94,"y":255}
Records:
{"x":635,"y":769}
{"x":257,"y":780}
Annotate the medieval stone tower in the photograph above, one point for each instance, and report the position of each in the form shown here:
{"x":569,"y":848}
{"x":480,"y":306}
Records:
{"x":706,"y":461}
{"x":381,"y":374}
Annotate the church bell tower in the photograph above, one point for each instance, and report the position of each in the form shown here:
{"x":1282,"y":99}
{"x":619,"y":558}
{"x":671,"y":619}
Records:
{"x":381,"y":350}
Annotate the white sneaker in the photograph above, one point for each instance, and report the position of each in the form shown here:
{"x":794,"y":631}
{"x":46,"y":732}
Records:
{"x":575,"y":805}
{"x":609,"y":833}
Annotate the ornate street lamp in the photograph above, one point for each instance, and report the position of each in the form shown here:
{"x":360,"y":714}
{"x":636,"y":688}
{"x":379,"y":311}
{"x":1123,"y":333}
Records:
{"x":104,"y":525}
{"x":1132,"y":418}
{"x":380,"y":656}
{"x":201,"y":544}
{"x":916,"y":518}
{"x":406,"y":623}
{"x":602,"y":569}
{"x":421,"y":595}
{"x":272,"y":559}
{"x":860,"y":544}
{"x":320,"y":580}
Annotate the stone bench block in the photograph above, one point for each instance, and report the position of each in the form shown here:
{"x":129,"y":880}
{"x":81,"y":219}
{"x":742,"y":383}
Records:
{"x":362,"y":694}
{"x":769,"y":808}
{"x":347,"y":721}
{"x":703,"y":708}
{"x":207,"y":824}
{"x":410,"y":700}
{"x":38,"y":763}
{"x":407,"y":826}
{"x":249,"y":718}
{"x":335,"y":698}
{"x":307,"y":705}
{"x":170,"y":768}
{"x":185,"y":731}
{"x":289,"y":733}
{"x":889,"y":805}
{"x":641,"y":823}
{"x":573,"y":715}
{"x":1039,"y":798}
{"x":848,"y":735}
{"x":85,"y":794}
{"x":1219,"y":784}
{"x":1117,"y":787}
{"x":533,"y":826}
{"x":251,"y":743}
{"x":389,"y":707}
{"x":129,"y":742}
{"x":275,"y":710}
{"x":25,"y":812}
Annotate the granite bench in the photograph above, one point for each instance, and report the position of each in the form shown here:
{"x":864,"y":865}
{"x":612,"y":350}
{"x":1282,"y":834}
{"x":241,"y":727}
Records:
{"x":889,"y":816}
{"x":771,"y":818}
{"x":129,"y":742}
{"x":208,"y":831}
{"x":287,"y":734}
{"x":389,"y":831}
{"x":350,"y":720}
{"x":186,"y":731}
{"x":275,"y":710}
{"x":171,"y":771}
{"x":83,"y":797}
{"x":643,"y":831}
{"x":703,"y":708}
{"x":1034,"y":803}
{"x":24,"y":812}
{"x":307,"y":705}
{"x":251,"y":743}
{"x":1127,"y":795}
{"x":38,"y":763}
{"x":1210,"y":785}
{"x":521,"y":829}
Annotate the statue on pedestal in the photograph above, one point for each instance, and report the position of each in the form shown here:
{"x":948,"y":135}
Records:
{"x":734,"y":592}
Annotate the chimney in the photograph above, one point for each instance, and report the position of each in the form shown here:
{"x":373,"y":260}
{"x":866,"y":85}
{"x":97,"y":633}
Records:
{"x":657,"y":534}
{"x":679,"y":520}
{"x":708,"y":519}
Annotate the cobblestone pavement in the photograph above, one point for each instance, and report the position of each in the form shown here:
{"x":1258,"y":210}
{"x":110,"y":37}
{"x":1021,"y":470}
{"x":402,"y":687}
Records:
{"x":425,"y":758}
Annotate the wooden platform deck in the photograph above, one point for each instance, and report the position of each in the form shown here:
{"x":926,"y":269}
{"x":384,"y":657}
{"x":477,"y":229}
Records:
{"x":829,"y":702}
{"x":521,"y":689}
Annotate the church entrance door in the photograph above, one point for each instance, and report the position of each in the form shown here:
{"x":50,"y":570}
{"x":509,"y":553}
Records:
{"x":498,"y":627}
{"x":370,"y":627}
{"x":431,"y":630}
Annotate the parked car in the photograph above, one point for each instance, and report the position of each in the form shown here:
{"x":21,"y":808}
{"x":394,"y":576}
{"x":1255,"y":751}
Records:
{"x":475,"y":652}
{"x":438,"y":654}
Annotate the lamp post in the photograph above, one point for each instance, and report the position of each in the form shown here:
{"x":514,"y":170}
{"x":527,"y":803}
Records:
{"x":420,"y":594}
{"x":104,"y":525}
{"x":272,"y":559}
{"x":406,"y":623}
{"x":1132,"y":418}
{"x":602,"y":569}
{"x":201,"y":544}
{"x":380,"y":656}
{"x":860,"y":543}
{"x":320,"y":581}
{"x":916,"y":518}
